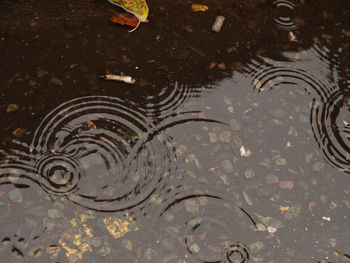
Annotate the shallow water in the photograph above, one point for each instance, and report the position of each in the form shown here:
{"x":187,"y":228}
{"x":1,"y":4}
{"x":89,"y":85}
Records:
{"x":230,"y":146}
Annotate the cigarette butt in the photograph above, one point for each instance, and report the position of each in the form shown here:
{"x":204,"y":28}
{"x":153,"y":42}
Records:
{"x":219,"y":21}
{"x":125,"y":79}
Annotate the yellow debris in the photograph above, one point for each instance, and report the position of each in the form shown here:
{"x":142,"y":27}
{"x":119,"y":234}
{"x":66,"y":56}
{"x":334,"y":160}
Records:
{"x":199,"y":8}
{"x":118,"y":227}
{"x":284,"y":208}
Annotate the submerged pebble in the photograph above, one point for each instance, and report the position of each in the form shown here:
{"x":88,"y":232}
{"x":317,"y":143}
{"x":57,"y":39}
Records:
{"x":227,"y":166}
{"x":249,"y":173}
{"x":15,"y":195}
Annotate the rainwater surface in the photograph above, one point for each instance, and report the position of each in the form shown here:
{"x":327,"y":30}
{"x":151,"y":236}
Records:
{"x":232,"y":146}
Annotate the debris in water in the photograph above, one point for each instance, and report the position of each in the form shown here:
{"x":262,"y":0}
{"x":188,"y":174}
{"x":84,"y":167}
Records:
{"x":244,"y":152}
{"x":219,"y":21}
{"x":125,"y":19}
{"x":126,"y":79}
{"x":199,"y":8}
{"x":292,"y":37}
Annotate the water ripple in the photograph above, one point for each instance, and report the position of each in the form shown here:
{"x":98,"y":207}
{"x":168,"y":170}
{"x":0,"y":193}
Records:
{"x":100,"y":152}
{"x":284,"y":15}
{"x":329,"y":116}
{"x":331,"y":127}
{"x":212,"y":229}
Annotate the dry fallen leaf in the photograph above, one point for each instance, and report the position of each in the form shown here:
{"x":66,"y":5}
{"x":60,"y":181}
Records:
{"x":125,"y":19}
{"x":138,"y":8}
{"x":199,"y":8}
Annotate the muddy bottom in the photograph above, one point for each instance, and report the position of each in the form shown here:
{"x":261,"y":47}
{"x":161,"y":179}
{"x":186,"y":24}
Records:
{"x":231,"y":146}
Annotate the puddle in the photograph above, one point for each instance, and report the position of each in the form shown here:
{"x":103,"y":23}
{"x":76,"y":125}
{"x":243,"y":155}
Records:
{"x":231,"y":146}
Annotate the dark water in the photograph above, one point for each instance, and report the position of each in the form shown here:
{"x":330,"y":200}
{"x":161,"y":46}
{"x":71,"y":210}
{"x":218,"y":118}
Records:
{"x":230,"y":147}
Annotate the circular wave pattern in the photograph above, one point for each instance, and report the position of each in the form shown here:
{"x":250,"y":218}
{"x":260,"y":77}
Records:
{"x":274,"y":77}
{"x":284,"y":15}
{"x":329,"y":116}
{"x":60,"y":173}
{"x":237,"y":253}
{"x":213,"y":230}
{"x":331,"y":127}
{"x":99,"y":152}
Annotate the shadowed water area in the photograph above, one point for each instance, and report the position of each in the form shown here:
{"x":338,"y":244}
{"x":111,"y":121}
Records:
{"x":232,"y":146}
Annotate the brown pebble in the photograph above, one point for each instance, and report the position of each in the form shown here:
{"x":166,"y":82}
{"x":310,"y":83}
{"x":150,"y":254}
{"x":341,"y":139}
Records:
{"x":212,"y":64}
{"x":12,"y":107}
{"x":188,"y":28}
{"x":287,"y":185}
{"x":19,"y":132}
{"x":56,"y":81}
{"x":221,"y":66}
{"x":41,"y":73}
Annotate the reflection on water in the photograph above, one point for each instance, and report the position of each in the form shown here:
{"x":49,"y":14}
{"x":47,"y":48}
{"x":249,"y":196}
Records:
{"x":210,"y":229}
{"x":98,"y":151}
{"x":285,"y":15}
{"x":329,"y":113}
{"x":208,"y":171}
{"x":331,"y":127}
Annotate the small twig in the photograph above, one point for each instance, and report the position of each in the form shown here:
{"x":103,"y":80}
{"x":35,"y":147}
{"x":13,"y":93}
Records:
{"x":125,"y":79}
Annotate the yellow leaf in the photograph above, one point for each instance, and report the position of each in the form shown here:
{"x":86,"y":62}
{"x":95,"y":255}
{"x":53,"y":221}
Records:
{"x":198,"y":8}
{"x":138,"y":8}
{"x":284,"y":208}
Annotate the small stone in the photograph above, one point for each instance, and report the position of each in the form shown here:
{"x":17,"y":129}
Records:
{"x":287,"y":185}
{"x":317,"y":167}
{"x":127,"y":244}
{"x":256,"y":246}
{"x":293,"y":211}
{"x":271,"y":179}
{"x":19,"y":133}
{"x":308,"y":157}
{"x":36,"y":251}
{"x":32,"y":83}
{"x":266,"y":163}
{"x":41,"y":73}
{"x":151,"y":254}
{"x":227,"y":166}
{"x":260,"y":227}
{"x":188,"y":28}
{"x":248,"y":174}
{"x":169,"y":217}
{"x":192,"y":206}
{"x":212,"y":137}
{"x":194,"y":248}
{"x":247,"y":198}
{"x":271,"y":229}
{"x":56,"y":81}
{"x":12,"y":107}
{"x":54,"y":213}
{"x":15,"y":195}
{"x":221,"y":66}
{"x":6,"y":241}
{"x":225,"y":136}
{"x":95,"y":242}
{"x":53,"y":250}
{"x":224,"y":179}
{"x":235,"y":125}
{"x":281,"y":162}
{"x":227,"y":100}
{"x":292,"y":131}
